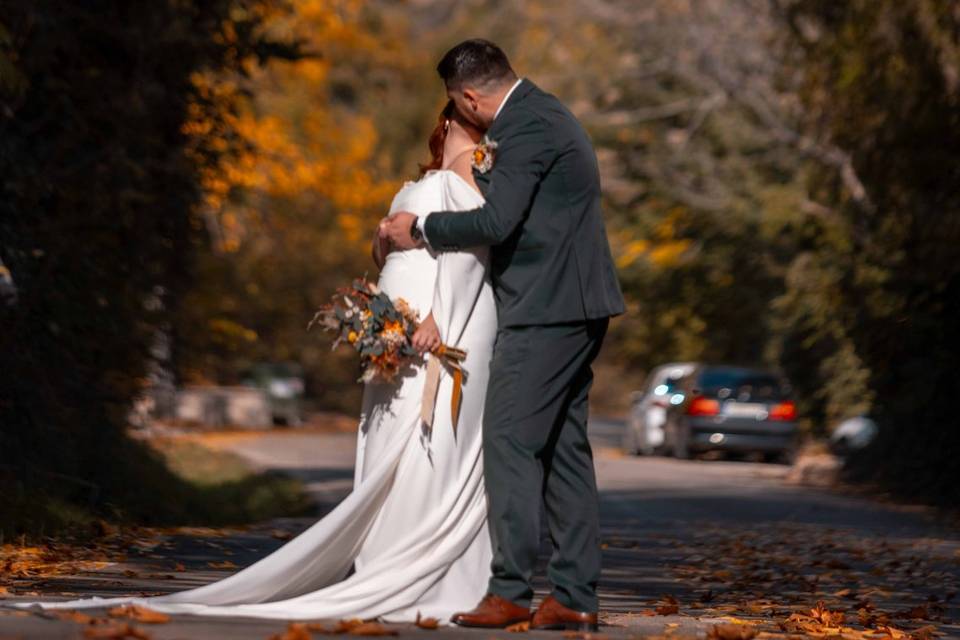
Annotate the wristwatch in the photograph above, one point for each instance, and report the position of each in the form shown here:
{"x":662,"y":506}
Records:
{"x":415,"y":232}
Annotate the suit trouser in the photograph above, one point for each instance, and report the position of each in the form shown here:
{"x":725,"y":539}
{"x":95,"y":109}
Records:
{"x":536,"y":448}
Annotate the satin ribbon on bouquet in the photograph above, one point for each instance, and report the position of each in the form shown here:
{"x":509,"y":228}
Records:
{"x":450,"y":358}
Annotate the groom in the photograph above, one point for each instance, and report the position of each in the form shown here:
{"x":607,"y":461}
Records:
{"x":556,"y":289}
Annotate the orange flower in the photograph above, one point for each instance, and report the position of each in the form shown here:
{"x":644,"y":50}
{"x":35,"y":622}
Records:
{"x":483,"y":153}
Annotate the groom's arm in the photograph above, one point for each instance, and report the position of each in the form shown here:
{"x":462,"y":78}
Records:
{"x":523,"y":157}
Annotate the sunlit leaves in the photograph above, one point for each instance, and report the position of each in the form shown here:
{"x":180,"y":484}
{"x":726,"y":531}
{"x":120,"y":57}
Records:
{"x":139,"y":614}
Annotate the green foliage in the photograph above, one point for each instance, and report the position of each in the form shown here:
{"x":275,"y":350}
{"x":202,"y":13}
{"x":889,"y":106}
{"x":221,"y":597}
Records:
{"x":881,"y":80}
{"x":290,"y":219}
{"x":97,"y":194}
{"x":780,"y":179}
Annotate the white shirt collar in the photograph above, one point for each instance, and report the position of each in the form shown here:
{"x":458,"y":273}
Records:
{"x":507,"y":97}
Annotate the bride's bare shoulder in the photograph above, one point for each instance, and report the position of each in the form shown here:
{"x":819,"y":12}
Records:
{"x":461,"y":167}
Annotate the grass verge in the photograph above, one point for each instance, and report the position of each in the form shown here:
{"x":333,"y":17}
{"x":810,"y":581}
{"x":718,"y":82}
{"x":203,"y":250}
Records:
{"x":168,"y":482}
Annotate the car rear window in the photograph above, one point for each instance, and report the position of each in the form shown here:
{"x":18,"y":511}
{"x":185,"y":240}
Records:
{"x":745,"y":384}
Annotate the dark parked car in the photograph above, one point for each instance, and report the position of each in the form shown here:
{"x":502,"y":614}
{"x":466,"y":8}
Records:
{"x":735,"y":409}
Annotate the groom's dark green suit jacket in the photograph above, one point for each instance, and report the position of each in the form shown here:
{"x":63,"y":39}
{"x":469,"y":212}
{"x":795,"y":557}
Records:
{"x":550,"y":258}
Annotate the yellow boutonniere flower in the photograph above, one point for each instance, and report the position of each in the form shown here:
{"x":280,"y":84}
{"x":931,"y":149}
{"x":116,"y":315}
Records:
{"x":483,"y":155}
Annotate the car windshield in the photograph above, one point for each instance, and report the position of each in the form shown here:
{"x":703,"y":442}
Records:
{"x":740,"y":384}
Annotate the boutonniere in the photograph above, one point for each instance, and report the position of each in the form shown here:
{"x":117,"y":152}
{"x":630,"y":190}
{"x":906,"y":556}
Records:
{"x":483,"y":155}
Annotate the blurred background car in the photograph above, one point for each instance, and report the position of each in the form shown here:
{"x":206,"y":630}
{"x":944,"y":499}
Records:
{"x":644,"y":433}
{"x":732,"y":409}
{"x":283,"y":384}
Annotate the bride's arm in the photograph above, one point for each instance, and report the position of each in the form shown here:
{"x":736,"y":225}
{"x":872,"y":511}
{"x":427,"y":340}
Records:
{"x":379,"y":249}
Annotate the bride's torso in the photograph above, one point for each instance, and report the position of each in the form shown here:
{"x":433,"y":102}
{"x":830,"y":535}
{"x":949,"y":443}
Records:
{"x":412,"y":274}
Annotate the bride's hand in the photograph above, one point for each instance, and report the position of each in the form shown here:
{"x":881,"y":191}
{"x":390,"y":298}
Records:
{"x":427,"y":336}
{"x":396,"y":228}
{"x":380,"y":248}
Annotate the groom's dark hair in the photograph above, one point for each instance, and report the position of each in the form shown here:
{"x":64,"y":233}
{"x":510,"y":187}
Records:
{"x":475,"y":62}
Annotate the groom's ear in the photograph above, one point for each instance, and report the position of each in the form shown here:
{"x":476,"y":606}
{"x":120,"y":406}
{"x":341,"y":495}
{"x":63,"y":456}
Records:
{"x":472,"y":98}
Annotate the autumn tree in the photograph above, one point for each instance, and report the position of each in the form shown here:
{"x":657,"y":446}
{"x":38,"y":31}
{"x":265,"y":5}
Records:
{"x":98,"y":189}
{"x":290,"y":218}
{"x":881,"y":81}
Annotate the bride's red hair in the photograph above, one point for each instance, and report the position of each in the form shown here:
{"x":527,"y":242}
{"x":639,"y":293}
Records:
{"x":437,"y":139}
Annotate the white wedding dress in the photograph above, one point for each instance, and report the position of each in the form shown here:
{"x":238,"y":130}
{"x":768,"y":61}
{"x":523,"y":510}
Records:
{"x":414,"y":527}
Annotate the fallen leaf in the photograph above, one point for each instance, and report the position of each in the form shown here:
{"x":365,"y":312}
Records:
{"x":4,"y":591}
{"x":892,"y":632}
{"x":179,"y":567}
{"x":427,"y":623}
{"x":924,"y":633}
{"x":869,"y":619}
{"x":915,"y":613}
{"x":520,"y":627}
{"x":669,"y":607}
{"x":826,"y":617}
{"x":115,"y":631}
{"x":344,"y":626}
{"x":731,"y":632}
{"x":226,"y":564}
{"x":740,"y":621}
{"x":75,"y":616}
{"x":140,"y":614}
{"x":294,"y":631}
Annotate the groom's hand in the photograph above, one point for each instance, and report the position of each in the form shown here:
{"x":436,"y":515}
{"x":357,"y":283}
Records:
{"x":396,"y":228}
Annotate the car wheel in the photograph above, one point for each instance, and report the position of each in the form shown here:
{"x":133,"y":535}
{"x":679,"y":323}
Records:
{"x":681,"y":447}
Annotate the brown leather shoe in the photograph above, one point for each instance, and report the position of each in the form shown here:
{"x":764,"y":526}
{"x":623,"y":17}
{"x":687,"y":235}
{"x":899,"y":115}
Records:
{"x":493,"y":612}
{"x":553,"y":615}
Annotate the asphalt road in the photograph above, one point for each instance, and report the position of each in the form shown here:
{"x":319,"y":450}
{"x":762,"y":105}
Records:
{"x":720,"y":538}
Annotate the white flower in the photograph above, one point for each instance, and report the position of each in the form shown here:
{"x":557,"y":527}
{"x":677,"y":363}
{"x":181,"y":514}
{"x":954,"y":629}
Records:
{"x":483,"y":155}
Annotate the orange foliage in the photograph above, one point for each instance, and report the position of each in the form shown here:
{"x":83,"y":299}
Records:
{"x":292,"y":142}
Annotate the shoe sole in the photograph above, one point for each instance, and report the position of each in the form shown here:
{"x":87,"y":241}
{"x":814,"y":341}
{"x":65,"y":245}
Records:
{"x":490,"y":626}
{"x":588,"y":627}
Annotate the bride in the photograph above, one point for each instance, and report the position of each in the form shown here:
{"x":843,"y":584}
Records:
{"x":412,"y":536}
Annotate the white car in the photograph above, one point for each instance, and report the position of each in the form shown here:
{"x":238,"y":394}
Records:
{"x":648,"y":412}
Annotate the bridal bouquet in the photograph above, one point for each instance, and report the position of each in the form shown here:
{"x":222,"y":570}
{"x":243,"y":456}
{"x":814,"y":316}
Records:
{"x":380,"y":330}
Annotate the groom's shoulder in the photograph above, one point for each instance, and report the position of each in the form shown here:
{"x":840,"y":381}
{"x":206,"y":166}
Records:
{"x":534,"y":104}
{"x":546,"y":106}
{"x":536,"y":99}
